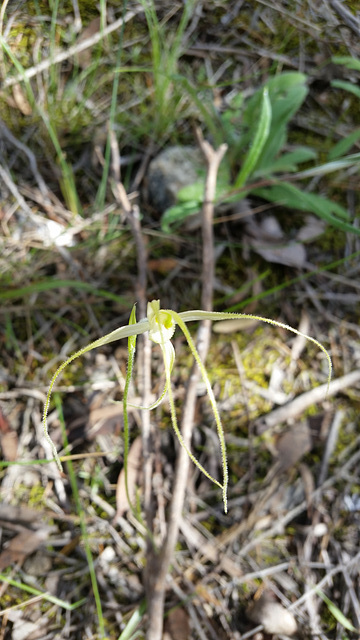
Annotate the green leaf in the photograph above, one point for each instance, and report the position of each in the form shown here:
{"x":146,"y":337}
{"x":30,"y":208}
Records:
{"x":347,"y":86}
{"x":335,"y":611}
{"x":344,"y":145}
{"x":259,"y":141}
{"x":129,"y":633}
{"x":288,"y":161}
{"x":329,"y":167}
{"x":287,"y":92}
{"x":178,"y":213}
{"x":293,"y":198}
{"x":347,"y":61}
{"x":191,"y":192}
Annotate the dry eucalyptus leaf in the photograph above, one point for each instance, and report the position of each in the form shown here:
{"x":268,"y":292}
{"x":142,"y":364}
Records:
{"x":9,"y":445}
{"x":177,"y":625}
{"x":84,"y":57}
{"x":293,"y":445}
{"x":23,"y":629}
{"x":22,"y":545}
{"x":292,"y":254}
{"x":267,"y":230}
{"x":134,"y":466}
{"x":267,"y":239}
{"x":104,"y":420}
{"x":313,"y":228}
{"x":272,"y":615}
{"x":21,"y":100}
{"x":162,"y":265}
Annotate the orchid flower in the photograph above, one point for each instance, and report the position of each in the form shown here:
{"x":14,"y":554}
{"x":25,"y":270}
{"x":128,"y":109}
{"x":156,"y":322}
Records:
{"x":161,"y":325}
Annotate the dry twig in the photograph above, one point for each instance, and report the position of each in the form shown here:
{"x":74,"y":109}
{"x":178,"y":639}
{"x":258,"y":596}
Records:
{"x":301,"y":403}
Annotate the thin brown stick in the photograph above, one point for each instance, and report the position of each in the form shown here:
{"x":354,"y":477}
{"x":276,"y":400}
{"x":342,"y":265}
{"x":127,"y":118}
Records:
{"x":159,"y":564}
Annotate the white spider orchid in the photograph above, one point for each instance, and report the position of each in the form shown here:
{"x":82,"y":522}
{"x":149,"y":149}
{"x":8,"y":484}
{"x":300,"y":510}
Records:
{"x":161,"y":324}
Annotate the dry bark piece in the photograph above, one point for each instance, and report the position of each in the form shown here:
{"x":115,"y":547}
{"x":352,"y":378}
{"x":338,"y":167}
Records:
{"x":4,"y":423}
{"x":292,"y":254}
{"x":272,"y":615}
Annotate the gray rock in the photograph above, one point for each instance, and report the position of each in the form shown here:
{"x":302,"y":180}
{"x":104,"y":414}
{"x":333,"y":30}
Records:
{"x":173,"y":169}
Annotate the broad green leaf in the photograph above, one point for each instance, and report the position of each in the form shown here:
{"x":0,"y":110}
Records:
{"x":285,"y":81}
{"x":344,"y":145}
{"x":177,"y":214}
{"x":288,"y":162}
{"x":329,"y":167}
{"x":283,"y":109}
{"x":195,"y":192}
{"x":259,"y":141}
{"x":191,"y":192}
{"x":293,"y":198}
{"x":347,"y":86}
{"x":287,"y":92}
{"x":347,"y":61}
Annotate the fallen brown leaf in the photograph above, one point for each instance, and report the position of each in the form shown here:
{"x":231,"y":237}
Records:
{"x":21,"y":100}
{"x":84,"y":57}
{"x":162,"y":265}
{"x":25,"y":543}
{"x":9,"y":445}
{"x":293,"y":445}
{"x":268,"y":240}
{"x":292,"y":254}
{"x":177,"y":625}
